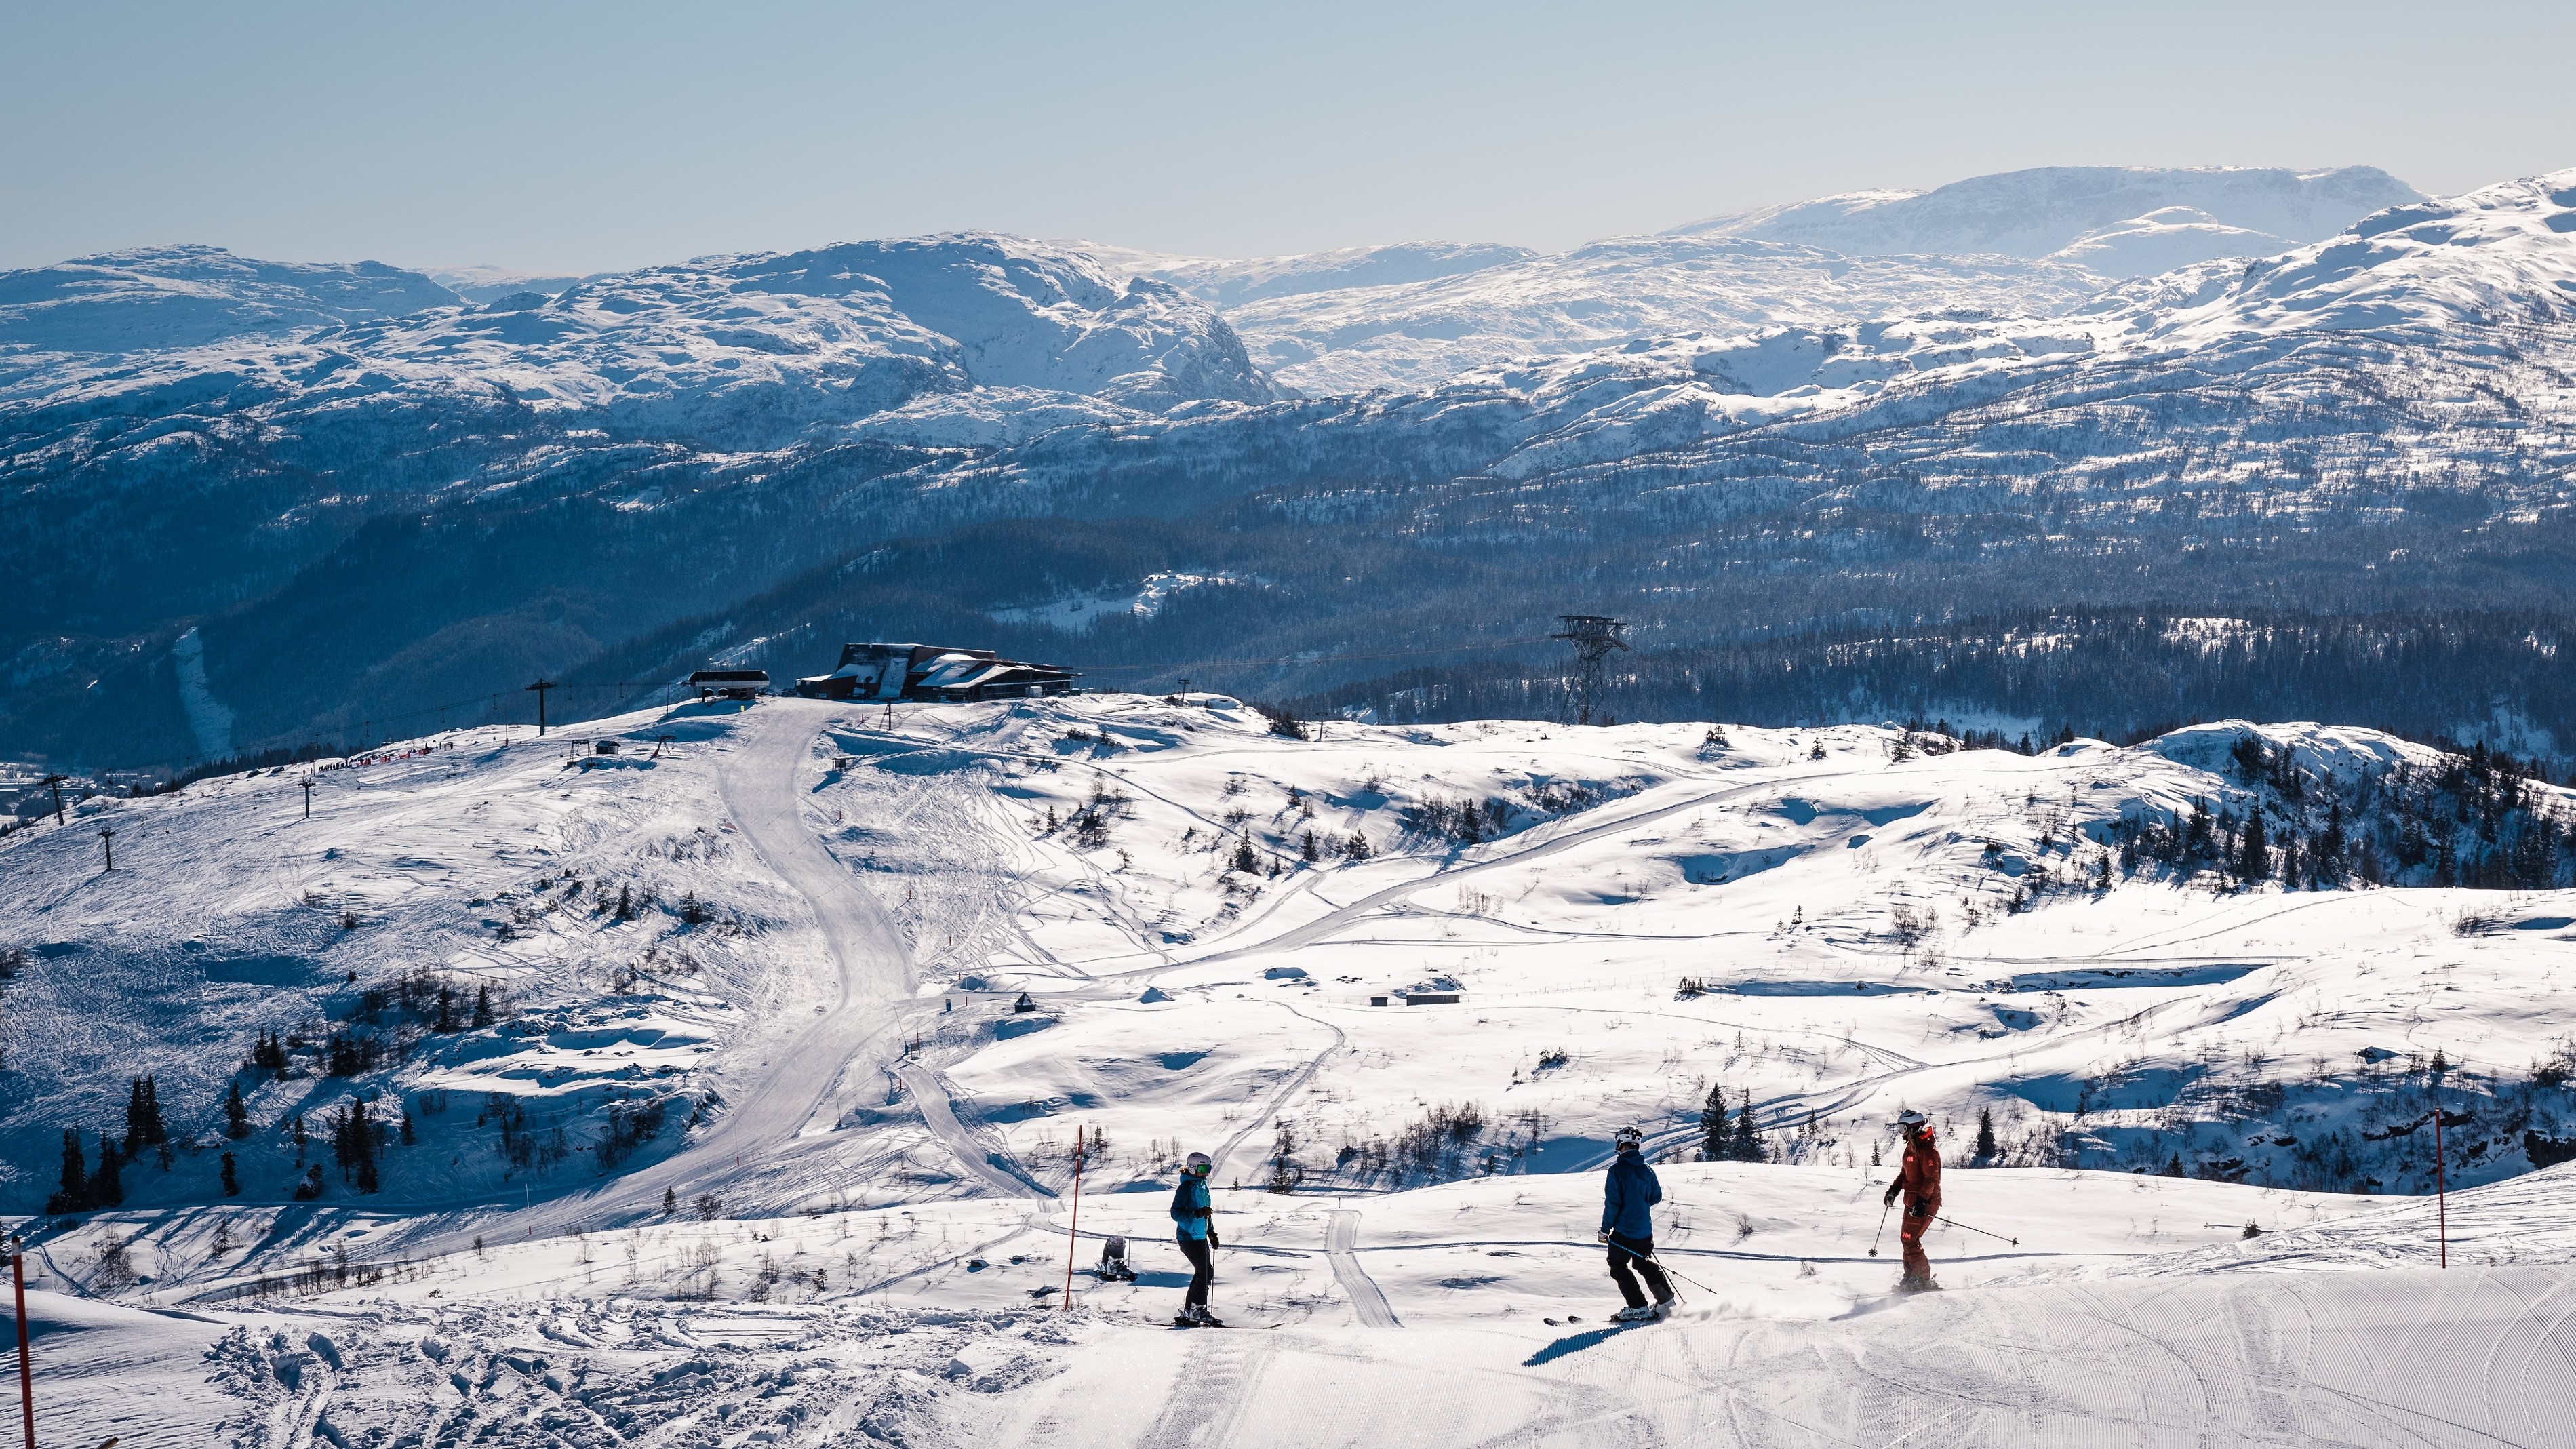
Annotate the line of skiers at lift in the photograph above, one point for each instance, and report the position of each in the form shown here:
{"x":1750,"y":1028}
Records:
{"x":1629,"y":1193}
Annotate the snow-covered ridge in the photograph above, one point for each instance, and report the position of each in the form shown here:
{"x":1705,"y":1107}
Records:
{"x":155,"y":298}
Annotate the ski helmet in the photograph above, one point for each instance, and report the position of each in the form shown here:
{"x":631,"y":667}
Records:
{"x":1200,"y":1163}
{"x":1628,"y":1137}
{"x":1909,"y":1119}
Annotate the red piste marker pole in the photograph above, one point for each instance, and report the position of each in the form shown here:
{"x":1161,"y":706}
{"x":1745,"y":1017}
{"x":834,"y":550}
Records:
{"x":2441,"y":1188}
{"x":1073,"y":1233}
{"x":26,"y":1375}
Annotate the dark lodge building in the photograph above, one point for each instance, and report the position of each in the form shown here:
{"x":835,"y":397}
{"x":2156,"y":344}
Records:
{"x":933,"y":672}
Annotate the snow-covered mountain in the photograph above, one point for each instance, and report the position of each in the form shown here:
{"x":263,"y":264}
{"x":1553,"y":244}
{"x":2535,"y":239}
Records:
{"x":1418,"y":314}
{"x":867,"y":436}
{"x":2117,"y":220}
{"x":486,"y":283}
{"x":1425,"y":334}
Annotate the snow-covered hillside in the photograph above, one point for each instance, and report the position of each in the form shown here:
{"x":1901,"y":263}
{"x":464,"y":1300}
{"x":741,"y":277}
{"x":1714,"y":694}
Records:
{"x":749,"y":1133}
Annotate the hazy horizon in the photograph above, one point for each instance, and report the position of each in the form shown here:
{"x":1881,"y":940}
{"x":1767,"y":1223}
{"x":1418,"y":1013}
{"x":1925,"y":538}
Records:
{"x":586,"y":138}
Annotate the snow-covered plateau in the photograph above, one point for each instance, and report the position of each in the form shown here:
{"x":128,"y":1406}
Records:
{"x":756,"y":1051}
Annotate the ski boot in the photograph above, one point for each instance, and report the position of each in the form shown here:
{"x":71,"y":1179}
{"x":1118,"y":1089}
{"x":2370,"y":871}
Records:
{"x":1638,"y":1313}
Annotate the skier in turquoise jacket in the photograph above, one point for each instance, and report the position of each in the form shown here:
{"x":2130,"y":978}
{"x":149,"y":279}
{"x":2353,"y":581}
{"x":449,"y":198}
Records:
{"x":1194,"y":1227}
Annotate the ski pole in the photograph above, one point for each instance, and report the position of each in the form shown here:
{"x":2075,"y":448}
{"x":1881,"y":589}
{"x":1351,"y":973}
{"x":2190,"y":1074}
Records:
{"x":1882,"y":1228}
{"x":2016,"y":1242}
{"x":1661,"y":1266}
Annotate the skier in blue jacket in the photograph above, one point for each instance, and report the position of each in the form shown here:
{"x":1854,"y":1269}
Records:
{"x":1194,"y":1226}
{"x":1628,"y":1227}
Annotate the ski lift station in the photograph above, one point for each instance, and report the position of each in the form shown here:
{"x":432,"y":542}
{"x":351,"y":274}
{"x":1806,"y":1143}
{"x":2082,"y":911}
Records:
{"x":933,"y":673}
{"x":730,"y":683}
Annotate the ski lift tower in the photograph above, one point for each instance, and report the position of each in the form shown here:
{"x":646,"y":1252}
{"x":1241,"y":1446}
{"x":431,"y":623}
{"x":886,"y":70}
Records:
{"x":1593,"y":637}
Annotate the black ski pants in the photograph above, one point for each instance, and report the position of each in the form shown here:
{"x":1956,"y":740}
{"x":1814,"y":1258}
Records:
{"x":1202,"y":1270}
{"x":1632,"y":1258}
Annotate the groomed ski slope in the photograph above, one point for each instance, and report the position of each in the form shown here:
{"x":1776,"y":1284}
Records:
{"x":879,"y":897}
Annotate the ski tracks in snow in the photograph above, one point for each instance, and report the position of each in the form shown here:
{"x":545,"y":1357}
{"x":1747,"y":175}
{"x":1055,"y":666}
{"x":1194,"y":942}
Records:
{"x":1341,"y":1243}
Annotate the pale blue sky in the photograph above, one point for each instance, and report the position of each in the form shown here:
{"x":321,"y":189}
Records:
{"x":587,"y":136}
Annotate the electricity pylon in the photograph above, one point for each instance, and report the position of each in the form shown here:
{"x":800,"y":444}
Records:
{"x":1593,"y":637}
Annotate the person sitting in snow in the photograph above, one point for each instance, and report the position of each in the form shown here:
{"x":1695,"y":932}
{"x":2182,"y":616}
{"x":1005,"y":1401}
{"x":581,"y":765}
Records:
{"x":1194,"y":1226}
{"x":1628,"y":1196}
{"x":1919,"y":1178}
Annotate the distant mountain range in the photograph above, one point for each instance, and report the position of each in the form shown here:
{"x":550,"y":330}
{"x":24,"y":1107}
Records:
{"x":372,"y":496}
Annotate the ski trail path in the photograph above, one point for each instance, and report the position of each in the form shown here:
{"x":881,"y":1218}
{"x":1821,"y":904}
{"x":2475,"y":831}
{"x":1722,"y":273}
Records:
{"x":870,"y":991}
{"x":1340,"y":1243}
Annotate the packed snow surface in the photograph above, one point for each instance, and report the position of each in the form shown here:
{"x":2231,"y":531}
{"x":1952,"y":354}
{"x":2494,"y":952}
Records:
{"x":802,"y":931}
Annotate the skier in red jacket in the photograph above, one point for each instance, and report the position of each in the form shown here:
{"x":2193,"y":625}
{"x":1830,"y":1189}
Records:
{"x":1919,"y":1178}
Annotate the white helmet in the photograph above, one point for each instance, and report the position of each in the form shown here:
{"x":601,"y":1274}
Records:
{"x":1911,"y":1118}
{"x":1200,"y":1163}
{"x":1627,"y":1137}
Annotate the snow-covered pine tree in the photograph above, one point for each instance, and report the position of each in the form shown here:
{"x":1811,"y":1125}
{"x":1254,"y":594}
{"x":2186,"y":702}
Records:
{"x":236,"y":1113}
{"x":1985,"y":1136}
{"x":1244,"y":858}
{"x":483,"y":1005}
{"x":231,"y":1176}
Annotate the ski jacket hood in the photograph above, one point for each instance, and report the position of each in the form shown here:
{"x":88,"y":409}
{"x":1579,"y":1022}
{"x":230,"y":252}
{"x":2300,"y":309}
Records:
{"x":1627,"y":1192}
{"x":1192,"y":1208}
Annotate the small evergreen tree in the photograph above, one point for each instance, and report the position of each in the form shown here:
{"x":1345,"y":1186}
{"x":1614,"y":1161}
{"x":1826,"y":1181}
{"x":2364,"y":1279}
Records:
{"x":2255,"y":864}
{"x":1308,"y":848}
{"x":107,"y":1185}
{"x":1985,"y":1135}
{"x":1746,"y":1145}
{"x":232,"y":1177}
{"x":73,"y":1195}
{"x":483,"y":1005}
{"x":2173,"y":1166}
{"x":408,"y":1139}
{"x":236,"y":1113}
{"x":1244,"y":859}
{"x":1713,"y":1124}
{"x":670,"y":1201}
{"x":445,"y":1018}
{"x":136,"y":1134}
